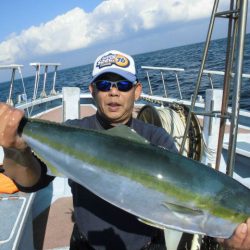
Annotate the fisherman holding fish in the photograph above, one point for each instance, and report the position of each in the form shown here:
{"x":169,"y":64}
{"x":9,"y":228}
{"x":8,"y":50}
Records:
{"x":99,"y":225}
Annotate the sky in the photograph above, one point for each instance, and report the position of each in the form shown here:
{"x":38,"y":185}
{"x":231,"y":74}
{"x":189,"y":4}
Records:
{"x":74,"y":32}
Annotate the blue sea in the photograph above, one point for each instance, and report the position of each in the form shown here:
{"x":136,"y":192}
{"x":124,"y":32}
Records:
{"x":188,"y":57}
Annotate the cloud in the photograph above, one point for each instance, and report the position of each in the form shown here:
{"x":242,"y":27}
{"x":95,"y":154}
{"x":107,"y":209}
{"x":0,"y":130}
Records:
{"x":111,"y":21}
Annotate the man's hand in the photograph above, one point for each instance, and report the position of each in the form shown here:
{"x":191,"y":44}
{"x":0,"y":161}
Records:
{"x":19,"y":162}
{"x":10,"y":119}
{"x":240,"y":240}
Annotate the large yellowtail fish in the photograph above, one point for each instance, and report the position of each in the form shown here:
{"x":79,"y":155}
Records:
{"x":161,"y":188}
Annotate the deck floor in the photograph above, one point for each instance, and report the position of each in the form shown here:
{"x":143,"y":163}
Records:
{"x":56,"y":114}
{"x":53,"y":227}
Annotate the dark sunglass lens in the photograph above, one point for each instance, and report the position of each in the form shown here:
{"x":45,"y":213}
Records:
{"x":124,"y":85}
{"x":103,"y":85}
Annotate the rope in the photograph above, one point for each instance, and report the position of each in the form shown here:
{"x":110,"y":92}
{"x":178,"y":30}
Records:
{"x":210,"y":153}
{"x":174,"y":125}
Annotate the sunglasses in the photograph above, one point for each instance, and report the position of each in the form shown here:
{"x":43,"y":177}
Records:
{"x":106,"y":85}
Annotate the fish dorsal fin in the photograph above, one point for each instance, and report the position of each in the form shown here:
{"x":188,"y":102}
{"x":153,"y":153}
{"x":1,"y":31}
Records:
{"x":124,"y":131}
{"x":181,"y":209}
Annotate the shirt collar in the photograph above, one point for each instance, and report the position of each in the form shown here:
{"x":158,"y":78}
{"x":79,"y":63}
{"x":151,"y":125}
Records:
{"x":106,"y":124}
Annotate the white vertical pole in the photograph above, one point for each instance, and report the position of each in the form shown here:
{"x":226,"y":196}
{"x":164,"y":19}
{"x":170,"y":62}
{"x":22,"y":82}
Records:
{"x":172,"y":238}
{"x":71,"y":103}
{"x":211,"y":126}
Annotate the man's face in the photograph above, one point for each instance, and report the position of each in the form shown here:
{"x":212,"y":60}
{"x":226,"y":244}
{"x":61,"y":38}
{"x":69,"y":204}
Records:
{"x":114,"y":105}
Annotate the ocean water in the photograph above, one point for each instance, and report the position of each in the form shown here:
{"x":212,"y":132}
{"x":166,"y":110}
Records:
{"x":188,"y":57}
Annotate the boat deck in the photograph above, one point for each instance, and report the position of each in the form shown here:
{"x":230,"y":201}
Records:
{"x":53,"y":227}
{"x":55,"y":115}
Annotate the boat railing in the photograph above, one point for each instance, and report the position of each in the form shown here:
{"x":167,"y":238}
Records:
{"x":22,"y":99}
{"x":210,"y":74}
{"x":13,"y":68}
{"x":38,"y":66}
{"x":44,"y":97}
{"x":199,"y":103}
{"x":174,"y":71}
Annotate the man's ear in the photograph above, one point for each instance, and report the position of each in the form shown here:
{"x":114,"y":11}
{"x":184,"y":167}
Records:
{"x":92,"y":90}
{"x":138,"y":90}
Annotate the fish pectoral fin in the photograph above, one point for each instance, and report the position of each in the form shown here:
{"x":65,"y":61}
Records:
{"x":124,"y":131}
{"x":150,"y":223}
{"x":183,"y":209}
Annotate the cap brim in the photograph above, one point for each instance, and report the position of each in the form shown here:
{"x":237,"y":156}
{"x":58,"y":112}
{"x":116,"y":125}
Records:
{"x":127,"y":75}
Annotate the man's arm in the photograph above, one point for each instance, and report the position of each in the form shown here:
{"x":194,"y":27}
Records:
{"x":19,"y":163}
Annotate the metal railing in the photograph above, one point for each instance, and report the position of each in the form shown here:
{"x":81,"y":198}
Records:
{"x":13,"y":68}
{"x":164,"y":69}
{"x":210,"y":73}
{"x":38,"y":67}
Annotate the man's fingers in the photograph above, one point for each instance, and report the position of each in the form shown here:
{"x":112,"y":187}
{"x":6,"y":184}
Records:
{"x":239,"y":239}
{"x":10,"y":119}
{"x":246,"y":242}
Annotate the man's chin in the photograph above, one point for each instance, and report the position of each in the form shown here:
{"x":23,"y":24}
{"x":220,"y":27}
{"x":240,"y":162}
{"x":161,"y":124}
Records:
{"x":115,"y":119}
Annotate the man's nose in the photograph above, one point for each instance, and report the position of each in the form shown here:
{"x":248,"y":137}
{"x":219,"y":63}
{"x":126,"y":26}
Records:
{"x":114,"y":90}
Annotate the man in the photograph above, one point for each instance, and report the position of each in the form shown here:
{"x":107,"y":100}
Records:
{"x":99,"y":225}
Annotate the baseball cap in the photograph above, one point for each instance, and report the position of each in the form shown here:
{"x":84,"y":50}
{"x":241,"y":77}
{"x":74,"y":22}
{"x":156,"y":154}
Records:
{"x":117,"y":62}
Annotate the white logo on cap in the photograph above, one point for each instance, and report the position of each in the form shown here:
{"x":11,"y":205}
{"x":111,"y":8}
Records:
{"x":113,"y":59}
